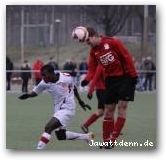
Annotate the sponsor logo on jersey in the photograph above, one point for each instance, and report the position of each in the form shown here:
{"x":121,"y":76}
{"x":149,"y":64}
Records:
{"x":106,"y":46}
{"x":107,"y":58}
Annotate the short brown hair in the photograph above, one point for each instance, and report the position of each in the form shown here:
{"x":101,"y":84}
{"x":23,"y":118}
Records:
{"x":92,"y":32}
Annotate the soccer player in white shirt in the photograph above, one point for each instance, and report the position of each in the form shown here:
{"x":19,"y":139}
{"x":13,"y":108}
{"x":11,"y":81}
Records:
{"x":61,"y":87}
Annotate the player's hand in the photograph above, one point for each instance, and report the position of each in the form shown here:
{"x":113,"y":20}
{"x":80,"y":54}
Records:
{"x":84,"y":83}
{"x":24,"y":96}
{"x":84,"y":106}
{"x":89,"y":95}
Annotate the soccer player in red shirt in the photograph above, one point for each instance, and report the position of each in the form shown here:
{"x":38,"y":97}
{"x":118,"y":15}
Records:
{"x":120,"y":81}
{"x":98,"y":84}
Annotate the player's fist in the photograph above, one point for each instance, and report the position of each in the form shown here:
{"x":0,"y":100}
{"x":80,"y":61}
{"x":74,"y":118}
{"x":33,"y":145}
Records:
{"x":84,"y":105}
{"x":84,"y":83}
{"x":89,"y":95}
{"x":24,"y":96}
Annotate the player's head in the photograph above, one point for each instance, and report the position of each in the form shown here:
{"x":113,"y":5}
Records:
{"x":47,"y":72}
{"x":92,"y":32}
{"x":93,"y":38}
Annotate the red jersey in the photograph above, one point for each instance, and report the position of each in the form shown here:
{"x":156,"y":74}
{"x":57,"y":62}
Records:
{"x":113,"y":56}
{"x":98,"y":79}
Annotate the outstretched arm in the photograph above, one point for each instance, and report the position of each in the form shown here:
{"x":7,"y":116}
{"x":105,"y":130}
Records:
{"x":27,"y":95}
{"x":77,"y":94}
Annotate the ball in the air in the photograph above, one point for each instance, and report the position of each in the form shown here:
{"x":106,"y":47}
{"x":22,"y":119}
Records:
{"x":80,"y":33}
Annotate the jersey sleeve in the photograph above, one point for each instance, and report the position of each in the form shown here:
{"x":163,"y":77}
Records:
{"x":126,"y":57}
{"x":39,"y":88}
{"x":67,"y":78}
{"x":92,"y":65}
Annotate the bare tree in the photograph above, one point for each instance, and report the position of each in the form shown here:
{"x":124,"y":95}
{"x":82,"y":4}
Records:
{"x":110,"y":17}
{"x":139,"y":11}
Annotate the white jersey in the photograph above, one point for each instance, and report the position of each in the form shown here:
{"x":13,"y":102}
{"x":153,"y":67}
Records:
{"x":61,"y":91}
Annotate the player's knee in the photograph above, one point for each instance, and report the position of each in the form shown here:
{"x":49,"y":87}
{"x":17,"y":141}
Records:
{"x":109,"y":113}
{"x":122,"y":109}
{"x":122,"y":105}
{"x":54,"y":123}
{"x":61,"y":134}
{"x":122,"y":113}
{"x":100,"y":113}
{"x":48,"y":128}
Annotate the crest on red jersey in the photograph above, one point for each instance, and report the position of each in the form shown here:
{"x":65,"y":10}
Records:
{"x":106,"y":46}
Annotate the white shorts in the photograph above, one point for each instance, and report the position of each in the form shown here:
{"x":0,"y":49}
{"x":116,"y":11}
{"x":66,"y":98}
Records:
{"x":64,"y":115}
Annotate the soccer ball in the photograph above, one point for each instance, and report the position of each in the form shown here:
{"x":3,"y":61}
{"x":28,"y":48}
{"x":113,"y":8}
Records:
{"x":80,"y":33}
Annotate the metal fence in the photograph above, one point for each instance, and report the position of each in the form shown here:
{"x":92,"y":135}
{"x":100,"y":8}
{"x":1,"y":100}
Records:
{"x":146,"y":80}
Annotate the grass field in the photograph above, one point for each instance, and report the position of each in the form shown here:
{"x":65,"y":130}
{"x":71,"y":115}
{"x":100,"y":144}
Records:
{"x":25,"y":121}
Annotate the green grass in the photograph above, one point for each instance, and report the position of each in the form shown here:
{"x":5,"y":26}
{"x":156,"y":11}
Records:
{"x":25,"y":122}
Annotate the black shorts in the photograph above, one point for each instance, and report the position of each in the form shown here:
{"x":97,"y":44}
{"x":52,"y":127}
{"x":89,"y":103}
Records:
{"x":119,"y":88}
{"x":100,"y":94}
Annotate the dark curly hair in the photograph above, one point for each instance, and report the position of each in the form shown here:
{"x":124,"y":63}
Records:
{"x":47,"y":69}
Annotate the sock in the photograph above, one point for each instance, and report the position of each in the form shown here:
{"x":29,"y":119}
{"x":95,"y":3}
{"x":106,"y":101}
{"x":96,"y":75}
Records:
{"x":44,"y":139}
{"x":108,"y":126}
{"x":74,"y":136}
{"x":91,"y":119}
{"x":117,"y":128}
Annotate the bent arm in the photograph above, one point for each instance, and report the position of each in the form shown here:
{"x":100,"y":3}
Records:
{"x":126,"y":57}
{"x":77,"y":94}
{"x":82,"y":103}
